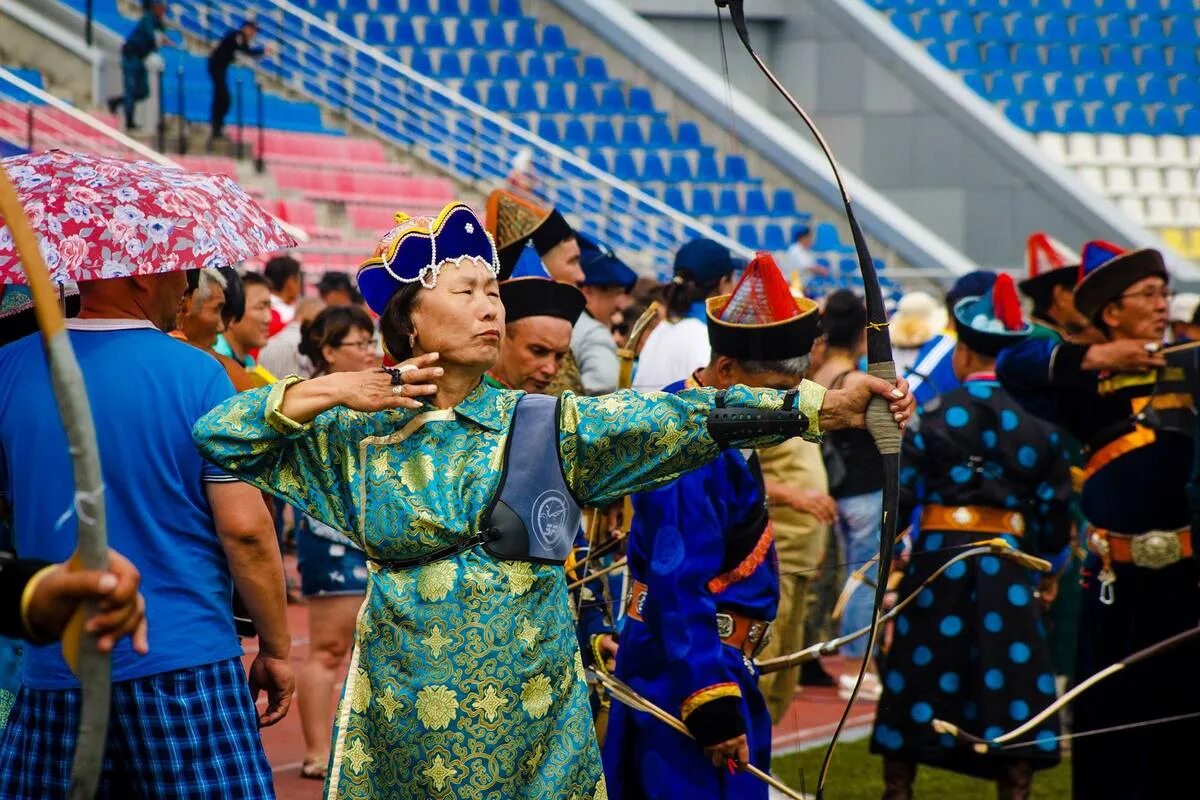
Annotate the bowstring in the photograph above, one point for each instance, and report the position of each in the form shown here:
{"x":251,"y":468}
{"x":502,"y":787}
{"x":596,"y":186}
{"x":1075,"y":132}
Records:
{"x":1127,"y":726}
{"x":733,"y":139}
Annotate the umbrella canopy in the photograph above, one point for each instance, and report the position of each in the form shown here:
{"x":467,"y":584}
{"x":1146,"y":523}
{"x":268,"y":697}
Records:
{"x":101,"y":217}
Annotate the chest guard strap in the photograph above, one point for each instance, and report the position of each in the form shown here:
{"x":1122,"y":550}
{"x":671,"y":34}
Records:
{"x":533,"y":516}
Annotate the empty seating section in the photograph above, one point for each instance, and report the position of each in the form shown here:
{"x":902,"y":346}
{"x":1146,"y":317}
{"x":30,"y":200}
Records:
{"x":1110,"y":87}
{"x":494,"y":55}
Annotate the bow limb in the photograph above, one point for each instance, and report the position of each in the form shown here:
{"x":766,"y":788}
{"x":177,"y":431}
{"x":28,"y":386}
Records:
{"x":626,"y":695}
{"x":981,"y":745}
{"x":92,"y":667}
{"x":996,"y":547}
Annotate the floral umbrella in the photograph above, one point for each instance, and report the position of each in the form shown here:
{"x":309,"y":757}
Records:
{"x":99,"y":217}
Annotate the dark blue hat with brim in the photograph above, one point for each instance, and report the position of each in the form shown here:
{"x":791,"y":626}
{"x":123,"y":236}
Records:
{"x":706,"y":261}
{"x":601,"y":267}
{"x":973,"y":284}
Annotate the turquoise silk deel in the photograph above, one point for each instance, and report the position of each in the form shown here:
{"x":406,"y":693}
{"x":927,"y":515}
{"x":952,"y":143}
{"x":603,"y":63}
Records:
{"x":465,"y":680}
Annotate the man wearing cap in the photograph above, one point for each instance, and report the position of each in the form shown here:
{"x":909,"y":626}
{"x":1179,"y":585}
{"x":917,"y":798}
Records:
{"x":146,"y":37}
{"x":539,"y":315}
{"x":705,"y":581}
{"x":932,"y":371}
{"x":238,"y":40}
{"x":1133,"y":409}
{"x":969,"y":650}
{"x":678,"y":345}
{"x":607,"y":282}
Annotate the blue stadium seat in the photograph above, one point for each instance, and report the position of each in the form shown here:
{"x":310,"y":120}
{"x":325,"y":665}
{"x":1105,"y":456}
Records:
{"x":464,"y":36}
{"x":1157,"y":89}
{"x":594,"y":69}
{"x":1125,"y":90}
{"x":1033,"y":87}
{"x":575,"y":134}
{"x":1044,"y":118}
{"x":508,"y":8}
{"x":1104,"y":121}
{"x":1058,"y":58}
{"x":1136,"y":121}
{"x":1024,"y":29}
{"x":1191,"y":119}
{"x":403,"y":34}
{"x":783,"y":203}
{"x":660,"y":134}
{"x":904,"y":23}
{"x":702,"y":202}
{"x":375,"y":31}
{"x":940,"y":53}
{"x":1118,"y":31}
{"x":603,"y":134}
{"x":736,"y":169}
{"x":507,"y":67}
{"x":535,"y":68}
{"x":450,"y":66}
{"x":553,"y":38}
{"x":1089,"y":57}
{"x":721,"y":228}
{"x":548,"y":129}
{"x":420,"y":62}
{"x":479,"y":9}
{"x":1120,"y":59}
{"x":556,"y":99}
{"x":1151,"y":59}
{"x":1064,"y":89}
{"x":478,"y":67}
{"x":494,"y":37}
{"x":417,"y":8}
{"x":1185,"y":59}
{"x":585,"y":99}
{"x":966,"y":56}
{"x":612,"y":99}
{"x":688,"y":135}
{"x":961,"y":26}
{"x":641,"y":101}
{"x":991,"y":28}
{"x":756,"y":203}
{"x":1094,"y":89}
{"x":995,"y":57}
{"x":624,"y":167}
{"x":356,"y":6}
{"x":928,"y":26}
{"x":631,"y":134}
{"x":1016,"y":115}
{"x":1075,"y":118}
{"x":1182,"y":31}
{"x":1164,"y":122}
{"x":1025,"y":57}
{"x":652,"y":168}
{"x":435,"y":34}
{"x":773,"y":238}
{"x":728,"y":203}
{"x":525,"y":35}
{"x":747,"y":236}
{"x":565,"y":68}
{"x":599,"y":161}
{"x":1002,"y":87}
{"x":497,"y":98}
{"x":680,"y":169}
{"x":673,"y":197}
{"x":1055,"y":29}
{"x":347,"y":25}
{"x":706,"y":168}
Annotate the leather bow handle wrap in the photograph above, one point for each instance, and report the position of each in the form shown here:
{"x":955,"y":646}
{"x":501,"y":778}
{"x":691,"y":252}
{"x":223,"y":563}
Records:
{"x":880,"y":422}
{"x":92,"y":667}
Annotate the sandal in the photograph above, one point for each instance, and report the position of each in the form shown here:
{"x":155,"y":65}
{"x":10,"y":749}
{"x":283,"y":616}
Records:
{"x":313,"y":769}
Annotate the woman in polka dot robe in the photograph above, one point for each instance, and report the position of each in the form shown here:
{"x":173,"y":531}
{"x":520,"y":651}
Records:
{"x":970,"y":650}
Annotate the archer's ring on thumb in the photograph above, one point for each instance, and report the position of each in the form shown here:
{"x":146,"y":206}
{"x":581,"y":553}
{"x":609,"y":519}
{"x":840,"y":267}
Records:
{"x":1151,"y":347}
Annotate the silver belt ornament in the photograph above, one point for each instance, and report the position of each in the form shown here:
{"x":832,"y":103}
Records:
{"x":1150,"y":550}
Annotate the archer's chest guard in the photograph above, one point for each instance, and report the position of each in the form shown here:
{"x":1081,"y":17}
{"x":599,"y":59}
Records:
{"x":533,"y":516}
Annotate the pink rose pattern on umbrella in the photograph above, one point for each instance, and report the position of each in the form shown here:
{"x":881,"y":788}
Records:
{"x":103,"y":217}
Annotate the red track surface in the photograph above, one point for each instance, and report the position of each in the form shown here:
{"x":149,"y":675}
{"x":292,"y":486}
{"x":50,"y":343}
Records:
{"x":809,"y":722}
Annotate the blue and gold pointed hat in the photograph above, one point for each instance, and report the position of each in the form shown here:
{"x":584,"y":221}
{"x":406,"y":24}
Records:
{"x":418,"y":248}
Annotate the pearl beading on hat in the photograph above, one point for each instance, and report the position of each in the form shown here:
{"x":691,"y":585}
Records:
{"x":428,"y":276}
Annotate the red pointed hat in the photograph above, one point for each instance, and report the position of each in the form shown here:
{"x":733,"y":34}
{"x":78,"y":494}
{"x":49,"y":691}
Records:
{"x":761,"y":320}
{"x":991,"y":322}
{"x":1105,"y":271}
{"x":1050,"y":263}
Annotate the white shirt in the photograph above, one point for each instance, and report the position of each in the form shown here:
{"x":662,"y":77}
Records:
{"x":281,"y":356}
{"x":673,"y":351}
{"x":595,"y":352}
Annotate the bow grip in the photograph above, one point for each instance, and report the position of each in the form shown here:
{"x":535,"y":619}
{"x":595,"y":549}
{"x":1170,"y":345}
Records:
{"x":880,"y":422}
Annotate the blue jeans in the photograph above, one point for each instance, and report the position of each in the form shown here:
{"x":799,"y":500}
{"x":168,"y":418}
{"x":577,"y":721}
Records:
{"x":858,"y":534}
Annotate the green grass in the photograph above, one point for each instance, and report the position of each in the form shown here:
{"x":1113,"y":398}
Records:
{"x":856,"y":775}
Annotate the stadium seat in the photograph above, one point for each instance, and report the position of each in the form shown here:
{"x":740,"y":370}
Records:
{"x":631,"y":134}
{"x":494,"y":37}
{"x":434,"y":34}
{"x":660,"y":134}
{"x":783,"y":203}
{"x":553,"y":38}
{"x":603,"y":134}
{"x":702,"y":202}
{"x":728,"y":204}
{"x":594,"y":69}
{"x":565,"y":68}
{"x":652,"y":168}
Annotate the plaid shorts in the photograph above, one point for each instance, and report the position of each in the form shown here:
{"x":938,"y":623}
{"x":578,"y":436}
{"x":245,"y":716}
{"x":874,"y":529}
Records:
{"x":191,"y":733}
